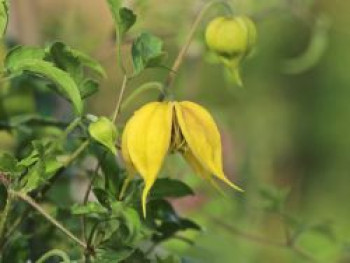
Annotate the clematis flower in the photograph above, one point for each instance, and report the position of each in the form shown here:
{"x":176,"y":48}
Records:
{"x":161,"y":127}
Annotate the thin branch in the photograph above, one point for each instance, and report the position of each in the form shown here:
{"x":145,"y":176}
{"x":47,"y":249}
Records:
{"x":37,"y":207}
{"x":120,"y":98}
{"x":178,"y":61}
{"x":263,"y":241}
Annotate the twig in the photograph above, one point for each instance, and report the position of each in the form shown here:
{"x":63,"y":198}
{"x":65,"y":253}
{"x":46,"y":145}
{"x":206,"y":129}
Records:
{"x":120,"y":98}
{"x":256,"y":239}
{"x":183,"y":51}
{"x":32,"y":202}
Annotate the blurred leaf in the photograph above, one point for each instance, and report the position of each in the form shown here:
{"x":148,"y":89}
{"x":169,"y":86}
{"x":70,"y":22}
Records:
{"x":146,"y":52}
{"x":165,"y":221}
{"x":103,"y":197}
{"x":167,"y":187}
{"x":3,"y":17}
{"x":169,"y":259}
{"x":20,"y":53}
{"x":54,"y":253}
{"x":3,"y":195}
{"x":326,"y":229}
{"x":112,"y":256}
{"x":112,"y":172}
{"x":137,"y":257}
{"x":64,"y":82}
{"x":9,"y":164}
{"x":274,"y":198}
{"x":127,"y":19}
{"x":88,"y":209}
{"x":104,"y":132}
{"x":114,"y":6}
{"x":315,"y":50}
{"x":88,"y":88}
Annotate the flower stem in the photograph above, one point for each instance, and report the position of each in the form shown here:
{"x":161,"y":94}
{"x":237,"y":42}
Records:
{"x":180,"y":57}
{"x":37,"y":207}
{"x":120,"y":98}
{"x":76,"y":153}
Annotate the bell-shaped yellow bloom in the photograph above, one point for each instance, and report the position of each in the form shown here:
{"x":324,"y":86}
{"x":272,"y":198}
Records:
{"x":159,"y":127}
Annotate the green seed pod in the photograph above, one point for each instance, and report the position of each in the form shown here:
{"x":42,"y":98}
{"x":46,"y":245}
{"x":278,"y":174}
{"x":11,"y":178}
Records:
{"x":104,"y":132}
{"x":231,"y":37}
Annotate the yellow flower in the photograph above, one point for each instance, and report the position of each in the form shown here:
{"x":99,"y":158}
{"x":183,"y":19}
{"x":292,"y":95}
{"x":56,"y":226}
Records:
{"x":160,"y":127}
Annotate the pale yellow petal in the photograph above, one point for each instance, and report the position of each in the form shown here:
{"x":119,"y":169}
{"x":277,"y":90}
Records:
{"x":200,"y":170}
{"x":203,"y":137}
{"x":127,"y":160}
{"x":148,"y":141}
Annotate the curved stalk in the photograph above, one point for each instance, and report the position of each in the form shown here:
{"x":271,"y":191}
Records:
{"x":179,"y":59}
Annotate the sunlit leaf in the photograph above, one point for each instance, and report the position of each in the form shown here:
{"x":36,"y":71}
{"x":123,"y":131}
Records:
{"x":146,"y":52}
{"x":65,"y":84}
{"x":104,"y":132}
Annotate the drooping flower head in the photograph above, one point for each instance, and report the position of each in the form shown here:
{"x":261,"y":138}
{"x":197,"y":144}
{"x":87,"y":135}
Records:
{"x":160,"y":127}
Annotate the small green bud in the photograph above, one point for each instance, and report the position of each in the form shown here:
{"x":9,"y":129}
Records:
{"x":104,"y":132}
{"x":231,"y":37}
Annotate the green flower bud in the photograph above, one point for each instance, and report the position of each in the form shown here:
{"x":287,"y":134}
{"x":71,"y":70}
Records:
{"x":231,"y":37}
{"x":104,"y":132}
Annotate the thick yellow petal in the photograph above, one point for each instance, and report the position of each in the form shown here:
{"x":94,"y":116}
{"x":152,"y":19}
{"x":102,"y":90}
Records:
{"x":148,"y":141}
{"x":203,"y":137}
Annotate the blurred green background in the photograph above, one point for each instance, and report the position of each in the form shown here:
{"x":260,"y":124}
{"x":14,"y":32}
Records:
{"x":288,"y":129}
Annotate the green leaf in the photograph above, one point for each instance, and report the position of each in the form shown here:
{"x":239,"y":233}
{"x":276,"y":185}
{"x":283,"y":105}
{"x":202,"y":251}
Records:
{"x":64,"y":82}
{"x":146,"y":52}
{"x":54,"y":253}
{"x":167,"y":187}
{"x":114,"y":6}
{"x":127,"y":19}
{"x":70,"y":59}
{"x":42,"y":166}
{"x":104,"y":132}
{"x":8,"y":163}
{"x":106,"y":255}
{"x":19,"y":53}
{"x":3,"y":17}
{"x":169,"y":259}
{"x":89,"y":208}
{"x":87,"y":88}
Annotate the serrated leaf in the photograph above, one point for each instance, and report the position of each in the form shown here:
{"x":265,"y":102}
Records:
{"x":104,"y":132}
{"x":127,"y":19}
{"x":3,"y":17}
{"x":64,"y":82}
{"x":167,"y":187}
{"x":146,"y":52}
